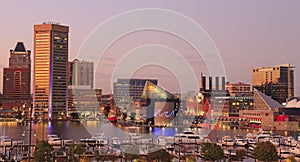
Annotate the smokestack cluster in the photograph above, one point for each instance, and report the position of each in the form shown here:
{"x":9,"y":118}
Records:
{"x":210,"y":86}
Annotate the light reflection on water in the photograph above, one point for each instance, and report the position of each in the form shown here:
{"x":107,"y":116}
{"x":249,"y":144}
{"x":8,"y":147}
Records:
{"x":78,"y":130}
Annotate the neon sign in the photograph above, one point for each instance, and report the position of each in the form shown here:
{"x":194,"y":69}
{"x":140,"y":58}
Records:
{"x":165,"y":113}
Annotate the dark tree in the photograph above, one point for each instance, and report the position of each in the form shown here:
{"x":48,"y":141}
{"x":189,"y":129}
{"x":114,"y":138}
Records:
{"x":78,"y":150}
{"x":211,"y":151}
{"x":43,"y":152}
{"x":131,"y":153}
{"x":265,"y":151}
{"x":160,"y":155}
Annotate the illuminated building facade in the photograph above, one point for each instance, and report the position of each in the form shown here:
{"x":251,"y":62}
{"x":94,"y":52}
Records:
{"x":276,"y":81}
{"x":268,"y":114}
{"x":238,"y":89}
{"x":127,"y":91}
{"x":211,"y":100}
{"x":50,"y":70}
{"x":81,"y":73}
{"x":16,"y":79}
{"x":84,"y":100}
{"x":161,"y":106}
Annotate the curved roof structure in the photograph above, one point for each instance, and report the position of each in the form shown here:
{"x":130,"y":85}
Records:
{"x":294,"y":103}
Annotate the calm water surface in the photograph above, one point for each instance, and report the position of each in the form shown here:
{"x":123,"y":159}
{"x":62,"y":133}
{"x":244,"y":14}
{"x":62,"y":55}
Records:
{"x":78,"y":130}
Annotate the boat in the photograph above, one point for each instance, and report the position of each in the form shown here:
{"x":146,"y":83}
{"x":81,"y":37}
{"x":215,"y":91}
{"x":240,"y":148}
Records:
{"x":283,"y":153}
{"x":230,"y":152}
{"x":88,"y":140}
{"x":295,"y":150}
{"x":5,"y":141}
{"x":53,"y":139}
{"x":135,"y":137}
{"x":115,"y":141}
{"x":100,"y":139}
{"x":126,"y":142}
{"x":227,"y":141}
{"x":262,"y":135}
{"x":164,"y":140}
{"x":290,"y":141}
{"x":188,"y":136}
{"x":274,"y":142}
{"x":241,"y":142}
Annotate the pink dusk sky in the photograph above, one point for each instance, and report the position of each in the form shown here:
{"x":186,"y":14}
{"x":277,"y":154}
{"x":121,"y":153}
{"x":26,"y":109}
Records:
{"x":248,"y":34}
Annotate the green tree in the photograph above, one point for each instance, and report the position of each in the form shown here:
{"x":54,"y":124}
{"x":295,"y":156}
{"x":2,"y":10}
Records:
{"x":131,"y":153}
{"x":76,"y":149}
{"x":265,"y":151}
{"x":100,"y":157}
{"x":240,"y":154}
{"x":160,"y":155}
{"x":43,"y":152}
{"x":112,"y":158}
{"x":211,"y":151}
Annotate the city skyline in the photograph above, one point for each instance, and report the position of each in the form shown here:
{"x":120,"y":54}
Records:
{"x":245,"y":39}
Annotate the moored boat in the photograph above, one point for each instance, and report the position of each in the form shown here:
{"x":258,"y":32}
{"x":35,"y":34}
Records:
{"x":227,"y":141}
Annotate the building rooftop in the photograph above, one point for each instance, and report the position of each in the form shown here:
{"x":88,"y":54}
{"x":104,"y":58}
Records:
{"x":293,"y":103}
{"x":153,"y":91}
{"x":276,"y":66}
{"x":267,"y":100}
{"x":20,"y":47}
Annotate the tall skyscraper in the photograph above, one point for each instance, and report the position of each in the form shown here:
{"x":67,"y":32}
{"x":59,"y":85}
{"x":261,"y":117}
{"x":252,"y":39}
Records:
{"x":276,"y":81}
{"x":16,"y":79}
{"x":50,"y":70}
{"x":81,"y":73}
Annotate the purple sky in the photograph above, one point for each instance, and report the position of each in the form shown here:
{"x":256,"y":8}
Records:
{"x":248,"y":34}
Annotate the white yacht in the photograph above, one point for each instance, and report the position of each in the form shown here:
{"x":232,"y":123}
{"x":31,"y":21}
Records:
{"x":53,"y":139}
{"x":5,"y":141}
{"x":135,"y":138}
{"x":100,"y":139}
{"x":227,"y":141}
{"x":230,"y":152}
{"x":290,"y":141}
{"x":251,"y":141}
{"x":283,"y":153}
{"x":295,"y":150}
{"x":263,"y":134}
{"x":241,"y":142}
{"x":188,"y":136}
{"x":115,"y":141}
{"x":164,"y":140}
{"x":259,"y":135}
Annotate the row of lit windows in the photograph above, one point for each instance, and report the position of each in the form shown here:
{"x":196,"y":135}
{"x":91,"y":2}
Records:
{"x":41,"y":70}
{"x":40,"y":64}
{"x":251,"y":114}
{"x":42,"y":48}
{"x":42,"y":42}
